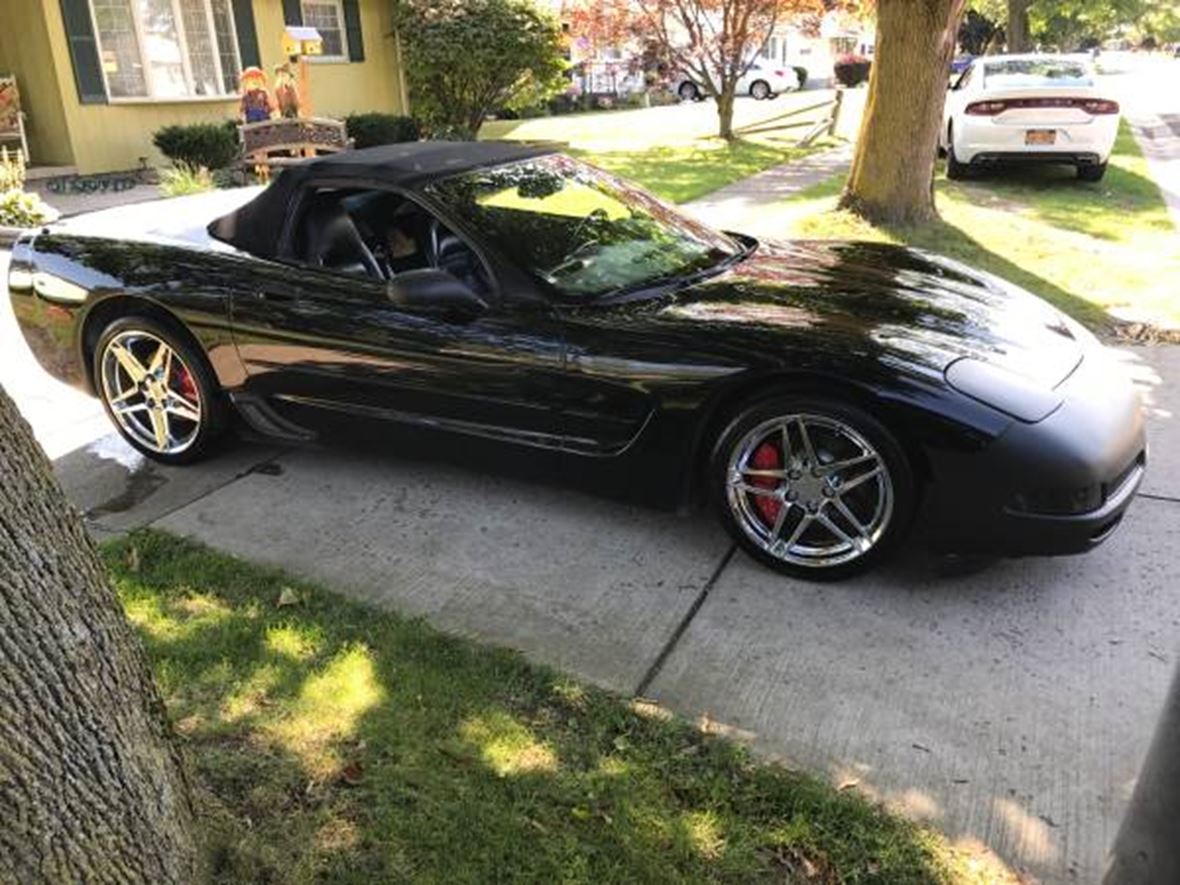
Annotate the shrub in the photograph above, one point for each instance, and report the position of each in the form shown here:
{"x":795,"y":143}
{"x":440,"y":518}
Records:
{"x":852,"y":69}
{"x":212,"y":145}
{"x":370,"y":130}
{"x":183,"y":179}
{"x":18,"y":209}
{"x":801,"y":73}
{"x":464,"y":60}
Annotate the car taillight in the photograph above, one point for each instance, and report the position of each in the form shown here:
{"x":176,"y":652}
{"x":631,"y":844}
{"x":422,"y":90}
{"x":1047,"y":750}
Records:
{"x":780,"y":73}
{"x":986,"y":108}
{"x":1100,"y":106}
{"x":999,"y":105}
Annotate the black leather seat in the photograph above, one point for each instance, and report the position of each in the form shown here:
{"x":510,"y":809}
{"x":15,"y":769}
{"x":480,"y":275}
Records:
{"x":333,"y":240}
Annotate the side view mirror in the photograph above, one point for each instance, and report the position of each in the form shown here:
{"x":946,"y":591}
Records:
{"x":435,"y":291}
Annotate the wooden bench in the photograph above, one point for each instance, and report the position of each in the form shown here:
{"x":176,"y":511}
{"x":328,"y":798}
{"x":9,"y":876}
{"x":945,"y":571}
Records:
{"x":285,"y":142}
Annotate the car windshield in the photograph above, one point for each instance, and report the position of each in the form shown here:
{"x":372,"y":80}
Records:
{"x":1052,"y":72}
{"x":583,"y":232}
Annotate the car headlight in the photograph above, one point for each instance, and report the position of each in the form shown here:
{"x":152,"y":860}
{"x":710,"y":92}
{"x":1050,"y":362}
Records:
{"x":1002,"y":389}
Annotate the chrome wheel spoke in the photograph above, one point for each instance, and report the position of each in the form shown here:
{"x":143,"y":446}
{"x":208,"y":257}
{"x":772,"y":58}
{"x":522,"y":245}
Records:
{"x":835,"y":467}
{"x":182,"y":408}
{"x":131,"y":365}
{"x":847,"y":513}
{"x":129,"y":409}
{"x":851,"y":484}
{"x":804,"y":521}
{"x":125,"y":395}
{"x":764,"y":474}
{"x":761,"y":491}
{"x":160,"y":428}
{"x":808,"y":448}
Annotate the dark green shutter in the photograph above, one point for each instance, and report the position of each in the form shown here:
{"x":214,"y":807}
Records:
{"x":352,"y":27}
{"x":75,"y":15}
{"x":247,"y":33}
{"x":292,"y":12}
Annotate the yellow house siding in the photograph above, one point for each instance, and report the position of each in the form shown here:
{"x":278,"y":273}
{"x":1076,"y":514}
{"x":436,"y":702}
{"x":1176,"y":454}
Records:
{"x":25,"y":48}
{"x":108,"y":137}
{"x":342,"y":88}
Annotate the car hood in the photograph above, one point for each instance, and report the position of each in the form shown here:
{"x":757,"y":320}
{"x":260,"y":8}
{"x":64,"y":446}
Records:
{"x":891,"y":303}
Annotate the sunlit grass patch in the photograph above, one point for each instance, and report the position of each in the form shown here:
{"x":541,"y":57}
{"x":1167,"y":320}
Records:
{"x":687,"y":172}
{"x":1100,"y":251}
{"x":331,"y":742}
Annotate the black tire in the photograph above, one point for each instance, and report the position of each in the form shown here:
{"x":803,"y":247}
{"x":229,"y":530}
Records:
{"x":689,"y":91}
{"x":893,"y":488}
{"x":955,"y":170}
{"x":1092,"y":173}
{"x":204,"y":387}
{"x":760,"y":90}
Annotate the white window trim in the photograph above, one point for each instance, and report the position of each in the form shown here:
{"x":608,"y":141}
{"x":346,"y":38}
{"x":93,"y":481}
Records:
{"x":186,"y":63}
{"x":331,"y":59}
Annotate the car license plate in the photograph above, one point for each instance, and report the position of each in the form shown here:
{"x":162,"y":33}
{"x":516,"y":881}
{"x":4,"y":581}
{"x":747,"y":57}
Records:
{"x":1040,"y":136}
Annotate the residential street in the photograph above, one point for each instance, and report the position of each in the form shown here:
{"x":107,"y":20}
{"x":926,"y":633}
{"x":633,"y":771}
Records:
{"x":1009,"y":704}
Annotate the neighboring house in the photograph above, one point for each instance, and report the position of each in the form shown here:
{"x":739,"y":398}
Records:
{"x":817,"y":52}
{"x":98,"y":77}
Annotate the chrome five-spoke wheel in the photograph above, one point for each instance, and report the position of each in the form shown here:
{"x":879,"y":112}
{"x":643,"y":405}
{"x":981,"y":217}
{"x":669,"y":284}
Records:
{"x":814,"y":487}
{"x":151,"y":392}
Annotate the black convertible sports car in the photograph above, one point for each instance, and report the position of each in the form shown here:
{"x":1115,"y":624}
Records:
{"x":816,"y":392}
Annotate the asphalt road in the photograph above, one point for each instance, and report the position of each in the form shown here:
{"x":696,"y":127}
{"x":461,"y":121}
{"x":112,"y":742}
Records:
{"x":1010,"y":705}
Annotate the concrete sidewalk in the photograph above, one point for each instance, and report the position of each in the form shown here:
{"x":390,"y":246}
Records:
{"x":741,"y":205}
{"x":1010,"y":707}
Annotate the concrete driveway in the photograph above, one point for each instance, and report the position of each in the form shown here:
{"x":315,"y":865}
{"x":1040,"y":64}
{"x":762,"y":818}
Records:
{"x":1010,"y":706}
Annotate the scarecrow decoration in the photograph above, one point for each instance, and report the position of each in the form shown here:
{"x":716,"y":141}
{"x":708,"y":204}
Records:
{"x":256,"y":104}
{"x":286,"y":91}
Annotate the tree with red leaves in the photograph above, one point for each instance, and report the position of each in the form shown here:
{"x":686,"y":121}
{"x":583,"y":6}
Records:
{"x":716,"y":41}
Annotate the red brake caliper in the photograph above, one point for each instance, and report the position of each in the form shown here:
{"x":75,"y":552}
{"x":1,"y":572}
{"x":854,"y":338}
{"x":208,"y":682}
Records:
{"x":186,"y":386}
{"x":766,"y":457}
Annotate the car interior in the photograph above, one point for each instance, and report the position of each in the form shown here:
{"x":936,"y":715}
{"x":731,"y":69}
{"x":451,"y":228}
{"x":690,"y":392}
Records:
{"x":380,"y":234}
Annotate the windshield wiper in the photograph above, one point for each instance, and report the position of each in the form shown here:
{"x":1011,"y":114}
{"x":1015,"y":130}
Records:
{"x":680,"y":279}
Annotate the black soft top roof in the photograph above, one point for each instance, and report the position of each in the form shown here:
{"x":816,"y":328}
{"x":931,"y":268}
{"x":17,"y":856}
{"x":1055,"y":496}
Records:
{"x":256,"y":227}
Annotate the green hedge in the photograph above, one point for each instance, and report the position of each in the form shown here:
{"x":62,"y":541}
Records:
{"x":212,"y":145}
{"x":369,"y":130}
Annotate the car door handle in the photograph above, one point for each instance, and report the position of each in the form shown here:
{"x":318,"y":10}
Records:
{"x":276,"y":294}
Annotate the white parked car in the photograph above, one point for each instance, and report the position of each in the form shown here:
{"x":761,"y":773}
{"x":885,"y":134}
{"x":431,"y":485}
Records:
{"x":763,"y":80}
{"x":1029,"y":108}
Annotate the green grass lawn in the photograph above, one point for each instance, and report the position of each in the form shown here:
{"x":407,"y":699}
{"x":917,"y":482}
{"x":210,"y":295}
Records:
{"x":685,"y":173}
{"x":672,"y":150}
{"x":1099,"y":251}
{"x":333,"y":742}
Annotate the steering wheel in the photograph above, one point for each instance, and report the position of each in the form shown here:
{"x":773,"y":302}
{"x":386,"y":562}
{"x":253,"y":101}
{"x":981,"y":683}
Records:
{"x":598,"y":214}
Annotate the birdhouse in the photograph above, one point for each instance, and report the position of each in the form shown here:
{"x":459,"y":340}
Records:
{"x":300,"y":41}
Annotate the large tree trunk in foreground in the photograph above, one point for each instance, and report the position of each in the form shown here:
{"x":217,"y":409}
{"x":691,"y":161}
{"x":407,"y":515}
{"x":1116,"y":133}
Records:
{"x":1016,"y":32}
{"x":892,"y":176}
{"x":91,"y":786}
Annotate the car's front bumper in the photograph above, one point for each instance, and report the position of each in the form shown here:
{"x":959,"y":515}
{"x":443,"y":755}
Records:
{"x":1092,"y":448}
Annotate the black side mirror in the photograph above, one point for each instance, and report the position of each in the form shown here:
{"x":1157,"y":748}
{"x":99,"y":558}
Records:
{"x":435,"y":291}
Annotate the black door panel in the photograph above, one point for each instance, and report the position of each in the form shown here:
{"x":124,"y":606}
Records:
{"x":318,"y":337}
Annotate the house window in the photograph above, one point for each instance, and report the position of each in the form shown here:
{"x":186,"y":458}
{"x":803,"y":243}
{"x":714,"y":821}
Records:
{"x":327,"y":17}
{"x":167,"y":49}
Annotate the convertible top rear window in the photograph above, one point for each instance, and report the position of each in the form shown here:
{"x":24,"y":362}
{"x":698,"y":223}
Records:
{"x":582,"y":231}
{"x":1050,"y":72}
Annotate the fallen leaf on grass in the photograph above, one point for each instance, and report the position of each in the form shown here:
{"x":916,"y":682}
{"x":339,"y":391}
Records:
{"x":289,"y":596}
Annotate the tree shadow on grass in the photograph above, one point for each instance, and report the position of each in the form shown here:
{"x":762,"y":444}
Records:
{"x":334,"y":742}
{"x":947,"y":239}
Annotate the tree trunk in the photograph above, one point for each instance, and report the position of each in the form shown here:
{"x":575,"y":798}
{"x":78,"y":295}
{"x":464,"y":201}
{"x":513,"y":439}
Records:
{"x":725,"y":99}
{"x":91,"y":785}
{"x":892,"y":175}
{"x":1017,"y":29}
